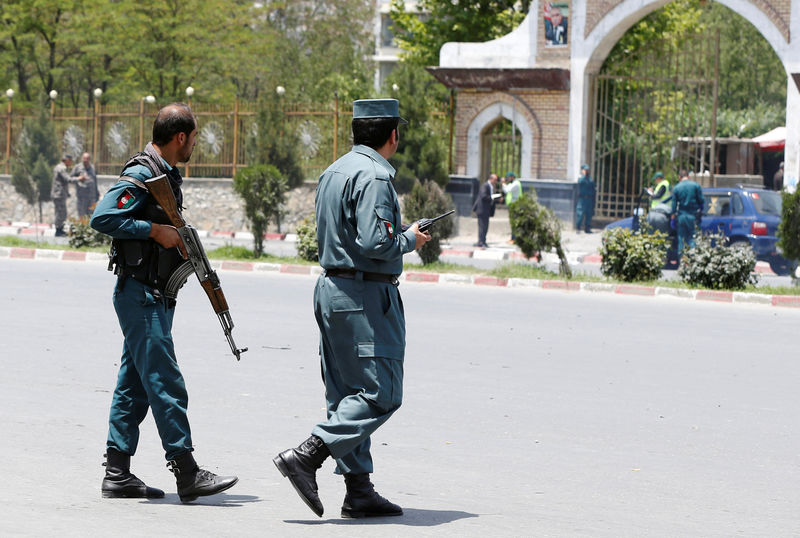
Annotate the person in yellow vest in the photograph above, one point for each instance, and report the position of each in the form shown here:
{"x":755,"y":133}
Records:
{"x":660,"y":192}
{"x":512,"y":187}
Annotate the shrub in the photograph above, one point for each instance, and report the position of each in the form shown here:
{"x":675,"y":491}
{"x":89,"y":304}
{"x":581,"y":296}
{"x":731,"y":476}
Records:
{"x":633,"y":256}
{"x":537,"y":230}
{"x":710,"y":264}
{"x":427,"y":200}
{"x":307,"y":239}
{"x":789,"y":227}
{"x":263,"y":189}
{"x":83,"y":235}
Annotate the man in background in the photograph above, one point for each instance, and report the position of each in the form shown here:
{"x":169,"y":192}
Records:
{"x":59,"y":192}
{"x":87,"y":191}
{"x":484,"y":208}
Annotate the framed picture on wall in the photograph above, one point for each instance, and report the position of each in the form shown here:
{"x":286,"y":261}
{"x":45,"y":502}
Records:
{"x":556,"y":23}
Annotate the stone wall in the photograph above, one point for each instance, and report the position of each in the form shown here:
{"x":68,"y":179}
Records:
{"x":211,"y":204}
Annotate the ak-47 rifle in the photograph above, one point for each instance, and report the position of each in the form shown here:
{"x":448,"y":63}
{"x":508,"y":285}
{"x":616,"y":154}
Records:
{"x":197,"y":262}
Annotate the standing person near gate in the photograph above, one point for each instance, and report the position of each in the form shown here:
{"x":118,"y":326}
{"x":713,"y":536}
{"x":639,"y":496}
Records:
{"x":660,"y":192}
{"x":687,"y":208}
{"x":359,"y":312}
{"x":512,"y":187}
{"x":586,"y":193}
{"x":146,"y":251}
{"x":484,"y":206}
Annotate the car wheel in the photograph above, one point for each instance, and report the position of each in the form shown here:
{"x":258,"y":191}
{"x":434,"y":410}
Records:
{"x":781,"y":266}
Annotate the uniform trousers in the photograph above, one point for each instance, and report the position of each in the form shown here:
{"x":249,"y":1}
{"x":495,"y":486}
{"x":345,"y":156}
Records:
{"x":149,"y":376}
{"x":686,"y":225}
{"x":60,"y":207}
{"x":362,"y":344}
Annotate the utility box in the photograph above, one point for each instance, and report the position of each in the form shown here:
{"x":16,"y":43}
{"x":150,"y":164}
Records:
{"x":464,"y":190}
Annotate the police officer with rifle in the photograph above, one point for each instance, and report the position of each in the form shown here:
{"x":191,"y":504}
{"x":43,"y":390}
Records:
{"x":148,"y":250}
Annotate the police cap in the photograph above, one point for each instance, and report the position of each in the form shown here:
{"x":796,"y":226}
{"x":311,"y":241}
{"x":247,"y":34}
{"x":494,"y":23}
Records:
{"x":377,"y":108}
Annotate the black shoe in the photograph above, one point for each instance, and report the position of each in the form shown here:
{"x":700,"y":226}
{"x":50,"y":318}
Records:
{"x":60,"y":232}
{"x":194,"y":482}
{"x":362,"y":500}
{"x":300,"y":466}
{"x":119,"y":482}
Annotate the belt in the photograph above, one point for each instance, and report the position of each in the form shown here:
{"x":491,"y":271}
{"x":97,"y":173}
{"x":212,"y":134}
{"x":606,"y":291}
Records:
{"x":351,"y":274}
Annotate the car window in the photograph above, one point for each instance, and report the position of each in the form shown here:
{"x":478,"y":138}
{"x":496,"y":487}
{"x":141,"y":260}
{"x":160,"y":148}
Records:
{"x":737,"y":205}
{"x":717,"y":205}
{"x":767,"y":203}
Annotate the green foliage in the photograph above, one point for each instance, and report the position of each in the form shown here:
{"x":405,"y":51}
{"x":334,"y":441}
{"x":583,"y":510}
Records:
{"x":752,"y":91}
{"x":633,"y":256}
{"x":422,"y":153}
{"x":131,"y":48}
{"x":789,"y":227}
{"x":81,"y":234}
{"x":275,"y":141}
{"x":427,"y":200}
{"x":421,"y":37}
{"x":537,"y":229}
{"x":263,"y":189}
{"x":307,"y":247}
{"x":711,"y":264}
{"x":37,"y":153}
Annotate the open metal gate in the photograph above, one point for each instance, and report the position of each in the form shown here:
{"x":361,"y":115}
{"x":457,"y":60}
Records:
{"x":655,"y":112}
{"x":502,"y":149}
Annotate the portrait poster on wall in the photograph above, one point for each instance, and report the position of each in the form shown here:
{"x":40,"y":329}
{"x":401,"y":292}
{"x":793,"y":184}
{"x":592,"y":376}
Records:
{"x":556,"y":23}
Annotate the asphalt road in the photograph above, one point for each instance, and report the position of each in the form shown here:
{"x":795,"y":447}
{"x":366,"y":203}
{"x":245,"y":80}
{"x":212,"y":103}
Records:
{"x":527,"y":412}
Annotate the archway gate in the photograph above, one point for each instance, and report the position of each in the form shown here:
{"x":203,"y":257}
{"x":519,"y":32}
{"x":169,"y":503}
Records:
{"x":656,"y":111}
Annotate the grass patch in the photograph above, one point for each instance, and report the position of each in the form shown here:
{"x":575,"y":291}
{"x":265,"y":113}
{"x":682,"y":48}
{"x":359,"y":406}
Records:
{"x":18,"y":242}
{"x":442,"y":267}
{"x":230,"y":252}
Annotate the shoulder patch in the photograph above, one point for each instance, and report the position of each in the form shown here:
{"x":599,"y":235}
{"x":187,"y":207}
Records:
{"x":125,"y":200}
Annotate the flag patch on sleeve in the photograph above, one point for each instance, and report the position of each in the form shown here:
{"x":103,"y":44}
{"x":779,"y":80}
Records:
{"x":389,"y":228}
{"x":125,"y":201}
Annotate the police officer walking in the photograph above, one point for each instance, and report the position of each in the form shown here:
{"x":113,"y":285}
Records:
{"x":687,"y":204}
{"x":359,"y":312}
{"x":146,"y":250}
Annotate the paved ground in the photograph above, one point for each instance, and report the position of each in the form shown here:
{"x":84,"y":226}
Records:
{"x":526,"y":413}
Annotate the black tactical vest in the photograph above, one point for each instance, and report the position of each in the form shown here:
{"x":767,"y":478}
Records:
{"x":144,"y":259}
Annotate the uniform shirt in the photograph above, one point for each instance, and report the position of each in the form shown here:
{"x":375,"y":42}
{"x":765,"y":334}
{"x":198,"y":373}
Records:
{"x":116,"y":214}
{"x":358,"y":215}
{"x":88,"y":187}
{"x":687,"y":197}
{"x":586,"y":188}
{"x":61,"y":180}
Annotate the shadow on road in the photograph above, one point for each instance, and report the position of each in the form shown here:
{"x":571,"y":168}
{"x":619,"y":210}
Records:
{"x":412,"y":517}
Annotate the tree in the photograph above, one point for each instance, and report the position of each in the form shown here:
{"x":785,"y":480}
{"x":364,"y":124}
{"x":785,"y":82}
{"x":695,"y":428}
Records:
{"x":537,"y":229}
{"x":37,"y":153}
{"x":422,"y":154}
{"x":275,"y":141}
{"x":422,"y":33}
{"x":263,"y":189}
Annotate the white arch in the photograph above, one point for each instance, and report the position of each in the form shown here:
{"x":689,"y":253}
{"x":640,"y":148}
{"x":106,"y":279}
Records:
{"x":621,"y":18}
{"x":487,"y":116}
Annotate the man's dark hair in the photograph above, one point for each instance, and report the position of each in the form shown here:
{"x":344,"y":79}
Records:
{"x":373,"y":132}
{"x":171,"y":120}
{"x":683,"y":173}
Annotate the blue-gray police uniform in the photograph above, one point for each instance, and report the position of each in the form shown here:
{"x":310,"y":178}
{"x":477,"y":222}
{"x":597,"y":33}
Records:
{"x":149,"y":376}
{"x":585,"y":209}
{"x":687,"y":205}
{"x":360,"y":313}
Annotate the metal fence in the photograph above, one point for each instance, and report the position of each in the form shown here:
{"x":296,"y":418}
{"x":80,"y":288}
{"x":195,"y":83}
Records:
{"x":112,"y":133}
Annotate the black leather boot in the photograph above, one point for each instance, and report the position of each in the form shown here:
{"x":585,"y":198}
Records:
{"x":119,"y":482}
{"x":300,"y":466}
{"x":362,"y":500}
{"x":194,"y":482}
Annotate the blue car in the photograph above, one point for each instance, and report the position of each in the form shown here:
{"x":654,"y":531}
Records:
{"x":745,"y":215}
